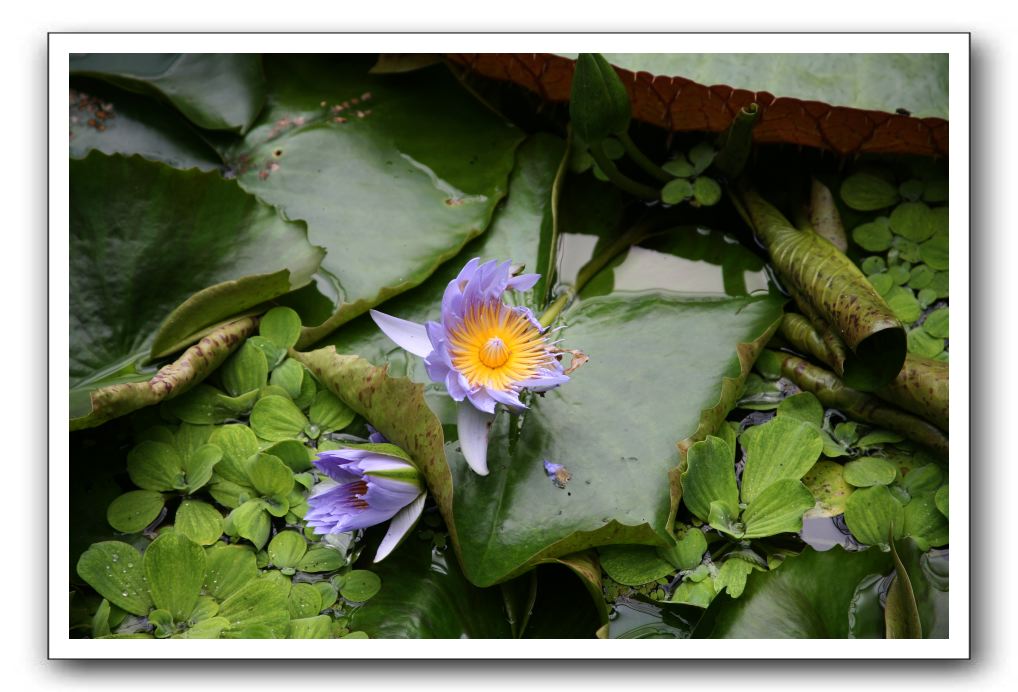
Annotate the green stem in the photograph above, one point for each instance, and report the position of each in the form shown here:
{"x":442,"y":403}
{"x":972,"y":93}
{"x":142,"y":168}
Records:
{"x":641,"y":160}
{"x":625,"y":183}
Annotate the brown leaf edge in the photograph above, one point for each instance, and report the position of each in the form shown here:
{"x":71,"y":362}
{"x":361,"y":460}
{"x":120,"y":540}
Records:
{"x":172,"y":380}
{"x":680,"y":105}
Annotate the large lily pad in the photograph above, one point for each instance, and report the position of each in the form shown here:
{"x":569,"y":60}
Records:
{"x":809,"y":596}
{"x":518,"y":232}
{"x":217,"y":91}
{"x":118,"y":122}
{"x":616,"y":439}
{"x":354,"y":155}
{"x":844,"y":107}
{"x":138,"y":286}
{"x":424,"y":595}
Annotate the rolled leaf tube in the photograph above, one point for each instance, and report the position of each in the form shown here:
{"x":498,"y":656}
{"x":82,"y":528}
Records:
{"x":921,"y":387}
{"x":833,"y":393}
{"x":837,"y":292}
{"x":736,"y":142}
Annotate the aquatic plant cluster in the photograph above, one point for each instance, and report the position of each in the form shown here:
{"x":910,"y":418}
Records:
{"x":437,"y":360}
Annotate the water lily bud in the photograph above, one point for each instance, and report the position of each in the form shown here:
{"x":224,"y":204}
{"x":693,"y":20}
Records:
{"x":598,"y":104}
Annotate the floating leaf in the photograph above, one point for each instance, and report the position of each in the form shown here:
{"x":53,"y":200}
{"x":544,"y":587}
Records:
{"x":276,"y":418}
{"x":826,"y":482}
{"x":912,"y":220}
{"x":868,"y":192}
{"x":228,"y":568}
{"x":925,"y":523}
{"x":706,"y":191}
{"x":175,"y":571}
{"x":935,"y":252}
{"x":870,"y":471}
{"x":281,"y":326}
{"x":710,"y":477}
{"x":286,"y":550}
{"x":257,"y":609}
{"x":245,"y":371}
{"x":676,"y":191}
{"x":329,"y":412}
{"x":199,"y":521}
{"x":216,"y":91}
{"x":809,"y":596}
{"x":251,"y":521}
{"x":920,"y":277}
{"x":348,"y":169}
{"x":634,"y":565}
{"x":732,"y":576}
{"x":871,"y":513}
{"x":360,"y":585}
{"x":782,"y":448}
{"x":874,"y":236}
{"x":777,"y":509}
{"x":288,"y":376}
{"x":132,"y":207}
{"x":923,"y":344}
{"x":922,"y":480}
{"x":317,"y":627}
{"x":610,"y":329}
{"x":941,"y":499}
{"x":156,"y":466}
{"x":321,"y":560}
{"x":903,"y":303}
{"x":134,"y":510}
{"x":114,"y":570}
{"x":304,"y":601}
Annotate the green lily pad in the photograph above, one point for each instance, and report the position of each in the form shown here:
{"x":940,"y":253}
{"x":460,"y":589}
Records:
{"x":112,"y":121}
{"x":216,"y":91}
{"x":810,"y":596}
{"x":874,"y":236}
{"x":134,"y":510}
{"x":912,"y":220}
{"x":130,"y":207}
{"x":870,"y":514}
{"x":517,"y":494}
{"x":378,"y":148}
{"x":199,"y":521}
{"x":175,"y":571}
{"x":276,"y":418}
{"x":360,"y":585}
{"x":867,"y":192}
{"x":114,"y":570}
{"x":941,"y":284}
{"x":228,"y":568}
{"x":327,"y":592}
{"x":634,"y":565}
{"x":826,"y":481}
{"x":870,"y":471}
{"x":710,"y":477}
{"x":425,"y":595}
{"x":782,"y":448}
{"x":777,"y":509}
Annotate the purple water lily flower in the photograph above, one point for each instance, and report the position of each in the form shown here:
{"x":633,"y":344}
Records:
{"x":484,"y":351}
{"x":365,"y":487}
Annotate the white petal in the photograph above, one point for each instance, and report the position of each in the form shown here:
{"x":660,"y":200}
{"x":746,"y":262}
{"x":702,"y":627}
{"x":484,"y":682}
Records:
{"x":473,"y":431}
{"x":400,"y":526}
{"x":409,"y":336}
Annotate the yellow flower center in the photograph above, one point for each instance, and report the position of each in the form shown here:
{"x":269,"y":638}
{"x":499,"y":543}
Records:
{"x":497,"y":347}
